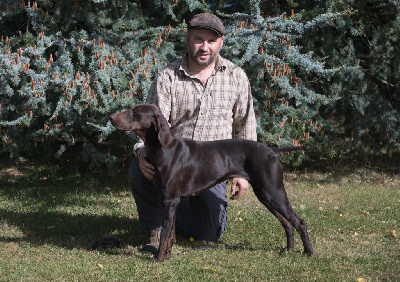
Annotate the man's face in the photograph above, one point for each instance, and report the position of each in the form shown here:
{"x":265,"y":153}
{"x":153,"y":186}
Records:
{"x":203,"y":45}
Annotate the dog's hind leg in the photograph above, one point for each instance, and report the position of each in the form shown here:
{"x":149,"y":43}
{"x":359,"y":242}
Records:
{"x":270,"y":191}
{"x":289,"y":231}
{"x":289,"y":219}
{"x":301,"y":227}
{"x":167,"y":237}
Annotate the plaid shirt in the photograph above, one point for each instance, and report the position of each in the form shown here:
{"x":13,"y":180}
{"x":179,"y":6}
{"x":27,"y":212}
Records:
{"x":222,"y":109}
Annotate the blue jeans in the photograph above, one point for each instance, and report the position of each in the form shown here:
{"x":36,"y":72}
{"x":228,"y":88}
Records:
{"x":202,"y":217}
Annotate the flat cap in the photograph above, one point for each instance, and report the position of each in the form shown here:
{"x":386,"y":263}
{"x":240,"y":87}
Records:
{"x":206,"y":20}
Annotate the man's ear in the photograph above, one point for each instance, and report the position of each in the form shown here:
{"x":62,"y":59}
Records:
{"x":187,"y":37}
{"x":162,"y":127}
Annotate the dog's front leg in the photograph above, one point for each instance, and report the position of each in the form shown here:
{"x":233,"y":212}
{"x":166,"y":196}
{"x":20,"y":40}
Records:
{"x":167,"y":237}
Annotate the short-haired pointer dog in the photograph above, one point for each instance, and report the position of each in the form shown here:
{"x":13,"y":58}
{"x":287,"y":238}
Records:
{"x":185,"y":167}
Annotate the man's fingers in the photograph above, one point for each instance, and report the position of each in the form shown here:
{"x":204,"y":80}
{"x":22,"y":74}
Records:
{"x":149,"y":176}
{"x":146,"y":167}
{"x":233,"y":190}
{"x":233,"y":187}
{"x":242,"y":184}
{"x":148,"y":173}
{"x":148,"y":170}
{"x":236,"y":195}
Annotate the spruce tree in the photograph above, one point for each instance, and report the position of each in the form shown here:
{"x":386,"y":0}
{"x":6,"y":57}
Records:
{"x":65,"y":66}
{"x":363,"y":45}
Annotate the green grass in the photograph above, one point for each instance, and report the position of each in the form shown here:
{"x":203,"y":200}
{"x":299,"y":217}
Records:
{"x":50,"y":216}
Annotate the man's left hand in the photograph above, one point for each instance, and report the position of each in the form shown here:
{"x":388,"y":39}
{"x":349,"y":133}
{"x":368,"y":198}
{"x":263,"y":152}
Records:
{"x":242,"y":185}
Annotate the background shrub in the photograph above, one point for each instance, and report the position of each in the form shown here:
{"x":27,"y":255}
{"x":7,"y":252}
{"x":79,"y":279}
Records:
{"x":323,"y":73}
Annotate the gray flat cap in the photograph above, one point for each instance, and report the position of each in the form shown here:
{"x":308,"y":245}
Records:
{"x":206,"y":20}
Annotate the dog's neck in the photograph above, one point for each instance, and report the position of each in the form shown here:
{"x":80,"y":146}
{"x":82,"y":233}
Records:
{"x":151,"y":143}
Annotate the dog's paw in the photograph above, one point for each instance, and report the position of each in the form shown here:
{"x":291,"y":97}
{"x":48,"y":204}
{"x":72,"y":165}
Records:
{"x":308,"y":254}
{"x":285,"y":250}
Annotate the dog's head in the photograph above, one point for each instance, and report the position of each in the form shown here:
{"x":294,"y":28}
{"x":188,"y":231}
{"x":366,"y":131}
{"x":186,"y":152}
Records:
{"x":141,"y":119}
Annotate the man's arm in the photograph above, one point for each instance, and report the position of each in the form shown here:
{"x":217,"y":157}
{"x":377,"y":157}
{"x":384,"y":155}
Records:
{"x":244,"y":119}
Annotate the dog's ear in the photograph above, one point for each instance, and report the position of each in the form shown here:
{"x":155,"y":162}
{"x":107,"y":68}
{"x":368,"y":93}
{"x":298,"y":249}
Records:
{"x":162,"y":127}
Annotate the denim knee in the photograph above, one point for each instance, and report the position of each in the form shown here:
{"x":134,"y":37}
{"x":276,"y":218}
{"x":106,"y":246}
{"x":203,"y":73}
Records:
{"x":147,"y":198}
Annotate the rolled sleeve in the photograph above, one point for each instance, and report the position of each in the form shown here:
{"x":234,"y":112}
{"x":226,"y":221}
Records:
{"x":244,"y":120}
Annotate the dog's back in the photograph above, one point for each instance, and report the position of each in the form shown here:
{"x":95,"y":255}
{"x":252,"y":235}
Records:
{"x":204,"y":164}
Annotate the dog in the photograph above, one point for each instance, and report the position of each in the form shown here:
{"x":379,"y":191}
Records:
{"x":184,"y":167}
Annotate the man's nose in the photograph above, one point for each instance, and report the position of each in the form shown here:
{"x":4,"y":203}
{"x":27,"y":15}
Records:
{"x":204,"y":46}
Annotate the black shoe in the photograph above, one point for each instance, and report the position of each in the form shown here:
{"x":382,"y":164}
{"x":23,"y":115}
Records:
{"x":154,"y":242}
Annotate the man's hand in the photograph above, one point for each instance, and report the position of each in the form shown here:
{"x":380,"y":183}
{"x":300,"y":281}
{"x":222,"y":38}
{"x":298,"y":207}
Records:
{"x":146,"y":167}
{"x":242,"y":185}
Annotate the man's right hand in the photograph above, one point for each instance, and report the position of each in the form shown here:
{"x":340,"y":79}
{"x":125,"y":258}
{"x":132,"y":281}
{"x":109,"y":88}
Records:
{"x":146,"y":167}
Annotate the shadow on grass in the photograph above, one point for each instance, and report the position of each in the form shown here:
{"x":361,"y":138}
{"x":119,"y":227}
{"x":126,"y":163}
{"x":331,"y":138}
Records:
{"x":27,"y":185}
{"x":342,"y":166}
{"x":371,"y":168}
{"x":65,"y":206}
{"x":70,"y":231}
{"x":49,"y":204}
{"x":82,"y":231}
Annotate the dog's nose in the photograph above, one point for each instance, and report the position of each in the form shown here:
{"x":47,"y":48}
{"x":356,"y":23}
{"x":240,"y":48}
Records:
{"x":112,"y":116}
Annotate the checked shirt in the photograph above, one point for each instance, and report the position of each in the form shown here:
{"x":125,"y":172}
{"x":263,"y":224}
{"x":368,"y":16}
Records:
{"x":221,"y":109}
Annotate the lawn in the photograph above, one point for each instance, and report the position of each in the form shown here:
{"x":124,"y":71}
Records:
{"x":50,"y":216}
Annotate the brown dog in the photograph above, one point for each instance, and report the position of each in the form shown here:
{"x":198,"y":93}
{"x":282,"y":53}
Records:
{"x":185,"y":167}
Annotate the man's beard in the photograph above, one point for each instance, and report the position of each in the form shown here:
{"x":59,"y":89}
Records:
{"x":196,"y":58}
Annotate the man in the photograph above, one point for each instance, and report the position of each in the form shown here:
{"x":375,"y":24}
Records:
{"x":204,"y":97}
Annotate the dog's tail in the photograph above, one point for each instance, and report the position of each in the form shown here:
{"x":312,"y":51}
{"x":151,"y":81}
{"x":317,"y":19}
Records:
{"x":277,"y":150}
